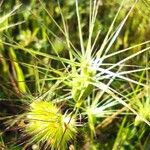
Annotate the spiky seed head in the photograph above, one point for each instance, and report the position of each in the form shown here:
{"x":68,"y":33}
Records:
{"x":46,"y":123}
{"x":81,"y":86}
{"x":144,"y":111}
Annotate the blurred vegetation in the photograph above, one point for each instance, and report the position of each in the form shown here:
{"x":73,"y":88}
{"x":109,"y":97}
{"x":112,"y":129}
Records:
{"x":32,"y":25}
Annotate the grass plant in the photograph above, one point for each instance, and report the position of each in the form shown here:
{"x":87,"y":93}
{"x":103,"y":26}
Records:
{"x":71,"y":84}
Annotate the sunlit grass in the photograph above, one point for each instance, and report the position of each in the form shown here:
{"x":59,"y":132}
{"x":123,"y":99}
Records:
{"x":82,"y":82}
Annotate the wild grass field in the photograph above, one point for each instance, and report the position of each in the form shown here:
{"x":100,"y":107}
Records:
{"x":74,"y":75}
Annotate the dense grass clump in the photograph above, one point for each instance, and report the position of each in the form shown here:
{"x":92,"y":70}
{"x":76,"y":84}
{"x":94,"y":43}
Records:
{"x":74,"y":75}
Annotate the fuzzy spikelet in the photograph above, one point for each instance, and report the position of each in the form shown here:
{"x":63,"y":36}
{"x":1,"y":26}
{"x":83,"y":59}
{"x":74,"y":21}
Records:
{"x":81,"y":87}
{"x":46,"y":123}
{"x":143,"y":109}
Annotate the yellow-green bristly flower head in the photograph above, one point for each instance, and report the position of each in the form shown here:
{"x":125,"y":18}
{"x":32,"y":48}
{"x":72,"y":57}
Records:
{"x":46,"y":123}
